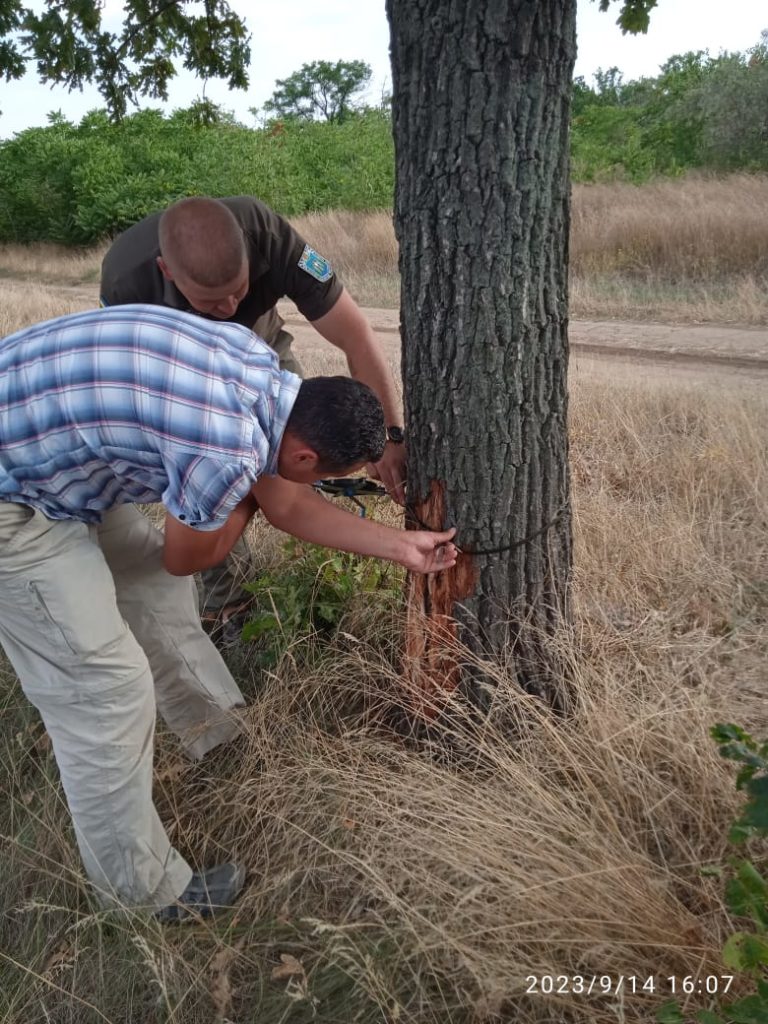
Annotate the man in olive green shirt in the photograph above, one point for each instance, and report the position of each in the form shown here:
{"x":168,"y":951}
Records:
{"x":232,"y":259}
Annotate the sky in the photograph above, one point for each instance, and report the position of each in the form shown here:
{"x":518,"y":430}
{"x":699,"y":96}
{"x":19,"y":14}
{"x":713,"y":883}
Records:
{"x":290,"y":33}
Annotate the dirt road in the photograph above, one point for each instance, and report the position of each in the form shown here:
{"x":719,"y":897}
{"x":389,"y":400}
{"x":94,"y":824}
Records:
{"x":700,"y":354}
{"x":736,"y":357}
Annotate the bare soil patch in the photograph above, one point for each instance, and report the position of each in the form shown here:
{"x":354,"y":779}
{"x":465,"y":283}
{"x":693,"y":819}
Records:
{"x":646,"y":350}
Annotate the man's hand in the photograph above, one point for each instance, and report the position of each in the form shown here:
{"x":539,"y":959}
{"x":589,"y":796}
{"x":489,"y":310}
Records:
{"x":391,"y":471}
{"x":427,"y":552}
{"x":300,"y":511}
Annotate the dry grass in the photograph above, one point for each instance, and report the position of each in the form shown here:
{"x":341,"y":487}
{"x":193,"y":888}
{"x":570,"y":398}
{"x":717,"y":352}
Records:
{"x":739,"y":300}
{"x":24,"y":304}
{"x":690,"y":250}
{"x":423,"y":879}
{"x":52,"y":264}
{"x":689,"y":228}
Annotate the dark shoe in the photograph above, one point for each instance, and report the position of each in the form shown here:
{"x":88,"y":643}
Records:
{"x":207,"y":893}
{"x":225,"y":627}
{"x":224,"y":758}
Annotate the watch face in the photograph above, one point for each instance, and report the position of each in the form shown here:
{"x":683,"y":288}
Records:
{"x":395,"y":435}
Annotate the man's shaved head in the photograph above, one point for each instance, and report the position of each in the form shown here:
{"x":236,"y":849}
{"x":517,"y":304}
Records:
{"x":201,"y":242}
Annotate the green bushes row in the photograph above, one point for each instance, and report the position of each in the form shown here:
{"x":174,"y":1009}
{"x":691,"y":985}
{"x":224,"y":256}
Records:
{"x":699,"y":112}
{"x":75,"y":184}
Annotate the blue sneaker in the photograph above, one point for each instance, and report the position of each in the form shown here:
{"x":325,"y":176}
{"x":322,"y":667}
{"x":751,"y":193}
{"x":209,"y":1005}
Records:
{"x":208,"y":893}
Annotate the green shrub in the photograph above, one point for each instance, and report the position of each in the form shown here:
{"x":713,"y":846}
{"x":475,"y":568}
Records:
{"x":75,"y":184}
{"x":746,"y":891}
{"x":310,"y":596}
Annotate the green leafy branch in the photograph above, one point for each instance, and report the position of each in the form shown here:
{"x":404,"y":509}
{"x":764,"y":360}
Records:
{"x":746,"y":891}
{"x":310,"y":596}
{"x":635,"y":15}
{"x":71,"y":46}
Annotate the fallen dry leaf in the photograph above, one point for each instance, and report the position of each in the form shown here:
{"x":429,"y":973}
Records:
{"x":289,"y":967}
{"x":221,"y":986}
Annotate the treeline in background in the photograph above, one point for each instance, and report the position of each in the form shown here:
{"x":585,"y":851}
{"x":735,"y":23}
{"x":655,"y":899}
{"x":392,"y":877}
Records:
{"x":700,"y":112}
{"x":78,"y":183}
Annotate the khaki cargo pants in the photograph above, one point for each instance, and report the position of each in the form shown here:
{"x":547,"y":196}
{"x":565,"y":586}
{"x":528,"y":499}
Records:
{"x":99,"y":634}
{"x":222,"y":585}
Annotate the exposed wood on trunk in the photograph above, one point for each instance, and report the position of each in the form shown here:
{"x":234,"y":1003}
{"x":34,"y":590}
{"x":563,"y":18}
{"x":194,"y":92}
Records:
{"x":432,"y":669}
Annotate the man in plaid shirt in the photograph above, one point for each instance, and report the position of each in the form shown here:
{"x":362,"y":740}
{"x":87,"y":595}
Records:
{"x":100,"y":411}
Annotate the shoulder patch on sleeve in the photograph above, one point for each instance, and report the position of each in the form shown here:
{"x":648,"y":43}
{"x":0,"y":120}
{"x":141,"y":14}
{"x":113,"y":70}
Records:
{"x":315,"y":264}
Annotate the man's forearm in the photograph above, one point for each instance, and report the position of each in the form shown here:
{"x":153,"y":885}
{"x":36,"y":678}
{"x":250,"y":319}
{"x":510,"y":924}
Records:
{"x":316,"y":520}
{"x":298,"y":510}
{"x":238,"y":519}
{"x":187,"y":550}
{"x":367,"y":364}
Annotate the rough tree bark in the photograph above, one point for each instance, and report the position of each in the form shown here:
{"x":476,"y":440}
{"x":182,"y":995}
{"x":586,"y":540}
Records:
{"x":481,"y":92}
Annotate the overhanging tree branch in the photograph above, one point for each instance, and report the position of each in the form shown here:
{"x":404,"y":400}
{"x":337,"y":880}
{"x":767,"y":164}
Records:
{"x":634,"y":16}
{"x":70,"y":46}
{"x":145,"y":24}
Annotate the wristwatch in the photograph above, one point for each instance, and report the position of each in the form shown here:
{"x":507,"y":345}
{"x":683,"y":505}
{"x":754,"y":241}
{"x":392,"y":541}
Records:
{"x":395,"y":435}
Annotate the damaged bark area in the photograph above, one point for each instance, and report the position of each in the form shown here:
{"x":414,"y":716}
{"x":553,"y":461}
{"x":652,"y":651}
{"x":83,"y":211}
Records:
{"x":432,"y":668}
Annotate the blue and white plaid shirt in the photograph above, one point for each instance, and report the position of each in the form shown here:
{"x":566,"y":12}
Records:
{"x":139,"y":404}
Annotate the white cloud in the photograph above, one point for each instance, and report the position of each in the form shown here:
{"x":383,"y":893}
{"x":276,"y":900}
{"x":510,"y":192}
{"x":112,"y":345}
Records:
{"x":677,"y":26}
{"x":289,"y":33}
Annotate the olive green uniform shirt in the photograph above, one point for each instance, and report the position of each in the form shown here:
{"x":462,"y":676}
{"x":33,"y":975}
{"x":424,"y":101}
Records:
{"x":280,"y":264}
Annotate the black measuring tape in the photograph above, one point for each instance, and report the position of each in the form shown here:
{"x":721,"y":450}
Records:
{"x":354,"y":487}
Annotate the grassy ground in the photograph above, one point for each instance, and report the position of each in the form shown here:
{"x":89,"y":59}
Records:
{"x":387,"y":882}
{"x":690,"y":250}
{"x":390,"y":881}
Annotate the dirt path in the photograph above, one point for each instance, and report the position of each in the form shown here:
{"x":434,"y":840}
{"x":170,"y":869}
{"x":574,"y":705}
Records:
{"x":699,"y":340}
{"x":697,"y":354}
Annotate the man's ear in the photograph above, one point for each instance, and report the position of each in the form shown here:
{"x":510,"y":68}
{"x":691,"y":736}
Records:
{"x":296,"y":456}
{"x":164,"y":268}
{"x":303,"y":457}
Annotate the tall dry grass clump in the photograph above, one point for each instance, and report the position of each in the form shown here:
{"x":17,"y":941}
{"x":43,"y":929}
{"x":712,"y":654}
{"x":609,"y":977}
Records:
{"x":687,"y":249}
{"x":690,"y":249}
{"x":398,"y":876}
{"x":23,"y":305}
{"x":692,"y":227}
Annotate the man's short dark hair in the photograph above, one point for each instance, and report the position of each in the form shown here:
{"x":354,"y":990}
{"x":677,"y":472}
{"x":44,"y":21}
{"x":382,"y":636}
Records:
{"x":201,"y":239}
{"x":341,"y":419}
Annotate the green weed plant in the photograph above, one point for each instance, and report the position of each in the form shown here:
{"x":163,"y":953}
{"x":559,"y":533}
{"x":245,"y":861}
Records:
{"x":310,"y":596}
{"x":745,"y":952}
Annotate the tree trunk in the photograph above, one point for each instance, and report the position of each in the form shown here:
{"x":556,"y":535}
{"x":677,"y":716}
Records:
{"x":481,"y":94}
